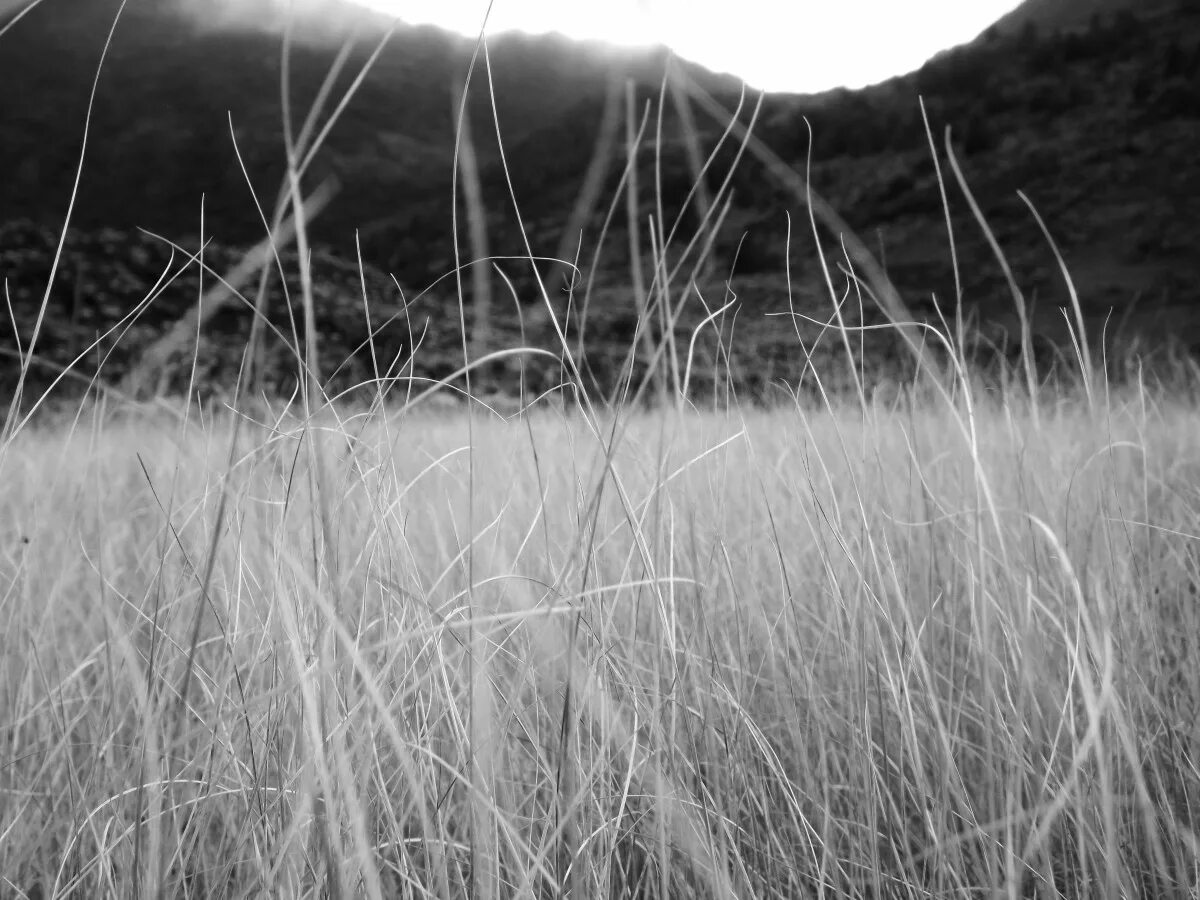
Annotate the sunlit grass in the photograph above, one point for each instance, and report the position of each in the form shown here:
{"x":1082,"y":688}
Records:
{"x":761,"y":654}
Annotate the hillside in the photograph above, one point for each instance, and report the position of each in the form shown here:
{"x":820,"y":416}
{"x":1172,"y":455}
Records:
{"x":1074,"y":15}
{"x":1096,"y":126}
{"x":170,"y":93}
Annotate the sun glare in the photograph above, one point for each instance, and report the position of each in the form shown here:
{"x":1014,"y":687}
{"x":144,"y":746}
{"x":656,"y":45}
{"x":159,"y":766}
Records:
{"x":772,"y":45}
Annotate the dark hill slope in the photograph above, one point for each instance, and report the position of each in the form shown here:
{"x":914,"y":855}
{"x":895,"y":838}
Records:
{"x":1098,"y":129}
{"x":160,"y":151}
{"x":160,"y":133}
{"x":1075,"y":15}
{"x":1097,"y":126}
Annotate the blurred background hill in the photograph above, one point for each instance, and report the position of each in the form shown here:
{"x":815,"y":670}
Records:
{"x":1089,"y":107}
{"x":1075,"y":15}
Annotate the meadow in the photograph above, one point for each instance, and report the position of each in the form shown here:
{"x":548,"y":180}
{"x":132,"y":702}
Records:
{"x":917,"y":648}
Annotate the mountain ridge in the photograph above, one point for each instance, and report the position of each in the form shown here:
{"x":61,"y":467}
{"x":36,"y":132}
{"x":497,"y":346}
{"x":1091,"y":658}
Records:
{"x":1073,"y":15}
{"x":1092,"y":124}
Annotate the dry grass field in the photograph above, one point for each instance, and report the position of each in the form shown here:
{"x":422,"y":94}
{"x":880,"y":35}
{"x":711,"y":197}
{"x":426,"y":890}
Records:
{"x":929,"y":648}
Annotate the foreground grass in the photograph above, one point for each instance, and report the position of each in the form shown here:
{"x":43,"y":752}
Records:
{"x":769,"y":654}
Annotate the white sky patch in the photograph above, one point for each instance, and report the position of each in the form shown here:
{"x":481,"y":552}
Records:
{"x":777,"y":45}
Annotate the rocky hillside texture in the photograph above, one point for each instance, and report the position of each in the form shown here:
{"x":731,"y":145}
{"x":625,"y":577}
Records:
{"x":1089,"y":108}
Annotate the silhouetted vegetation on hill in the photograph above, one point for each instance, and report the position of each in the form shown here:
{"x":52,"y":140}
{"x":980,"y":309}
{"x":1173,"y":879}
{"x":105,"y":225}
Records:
{"x":1094,"y":126}
{"x":1075,"y":15}
{"x":1095,"y":123}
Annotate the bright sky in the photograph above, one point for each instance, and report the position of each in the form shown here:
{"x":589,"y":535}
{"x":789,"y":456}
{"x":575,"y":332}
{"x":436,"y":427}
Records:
{"x":776,"y":45}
